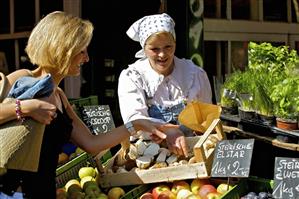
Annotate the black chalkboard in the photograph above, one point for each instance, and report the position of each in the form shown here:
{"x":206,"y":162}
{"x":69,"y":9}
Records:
{"x":98,"y":118}
{"x":286,"y":178}
{"x":232,"y":158}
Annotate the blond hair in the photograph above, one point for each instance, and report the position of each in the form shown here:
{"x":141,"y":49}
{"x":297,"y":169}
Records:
{"x":56,"y":39}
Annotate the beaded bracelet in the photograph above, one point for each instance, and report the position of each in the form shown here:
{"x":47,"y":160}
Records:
{"x":19,"y":111}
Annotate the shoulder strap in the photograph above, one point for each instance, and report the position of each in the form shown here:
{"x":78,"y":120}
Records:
{"x":3,"y":84}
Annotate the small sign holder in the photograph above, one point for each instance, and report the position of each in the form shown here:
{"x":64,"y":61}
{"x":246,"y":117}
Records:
{"x":286,"y":178}
{"x":232,"y":158}
{"x":98,"y":118}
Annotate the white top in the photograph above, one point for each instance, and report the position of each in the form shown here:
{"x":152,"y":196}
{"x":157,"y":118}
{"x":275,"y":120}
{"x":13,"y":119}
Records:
{"x":140,"y":86}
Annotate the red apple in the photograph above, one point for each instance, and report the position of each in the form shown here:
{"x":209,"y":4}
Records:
{"x":205,"y":190}
{"x":197,"y":183}
{"x":213,"y":195}
{"x":167,"y":194}
{"x":147,"y":195}
{"x":177,"y":185}
{"x":158,"y":189}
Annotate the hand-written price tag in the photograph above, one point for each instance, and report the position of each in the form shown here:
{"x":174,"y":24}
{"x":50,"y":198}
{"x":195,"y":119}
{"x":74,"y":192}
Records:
{"x":286,"y":178}
{"x":232,"y":158}
{"x":98,"y":118}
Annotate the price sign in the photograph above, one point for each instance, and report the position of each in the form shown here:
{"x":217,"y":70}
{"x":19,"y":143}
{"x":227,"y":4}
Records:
{"x":286,"y":178}
{"x":98,"y":118}
{"x":232,"y":158}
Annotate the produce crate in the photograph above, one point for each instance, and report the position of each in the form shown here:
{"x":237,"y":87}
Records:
{"x":70,"y":169}
{"x":247,"y":185}
{"x":200,"y":169}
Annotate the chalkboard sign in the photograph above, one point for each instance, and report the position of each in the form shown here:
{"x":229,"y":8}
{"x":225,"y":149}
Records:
{"x":232,"y":158}
{"x":286,"y":178}
{"x":98,"y":118}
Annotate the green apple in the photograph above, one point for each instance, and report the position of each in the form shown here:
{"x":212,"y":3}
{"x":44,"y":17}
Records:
{"x":91,"y":184}
{"x":85,"y":180}
{"x":102,"y":196}
{"x":115,"y":193}
{"x":86,"y":171}
{"x":223,"y":188}
{"x":92,"y":189}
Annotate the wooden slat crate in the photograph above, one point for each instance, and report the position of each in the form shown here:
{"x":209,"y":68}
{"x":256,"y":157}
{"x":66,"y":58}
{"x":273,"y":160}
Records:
{"x":200,"y":169}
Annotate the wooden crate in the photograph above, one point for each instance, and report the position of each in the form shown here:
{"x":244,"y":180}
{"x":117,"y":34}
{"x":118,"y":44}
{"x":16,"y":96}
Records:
{"x":200,"y":169}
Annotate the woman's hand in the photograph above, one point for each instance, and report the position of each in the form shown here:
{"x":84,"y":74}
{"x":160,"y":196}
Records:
{"x":175,"y":138}
{"x":39,"y":109}
{"x":153,"y":128}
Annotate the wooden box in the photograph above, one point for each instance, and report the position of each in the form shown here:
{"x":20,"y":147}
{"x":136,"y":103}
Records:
{"x":200,"y":169}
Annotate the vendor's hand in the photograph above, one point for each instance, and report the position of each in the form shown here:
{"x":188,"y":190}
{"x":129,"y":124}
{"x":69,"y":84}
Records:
{"x":40,"y":110}
{"x":176,"y":141}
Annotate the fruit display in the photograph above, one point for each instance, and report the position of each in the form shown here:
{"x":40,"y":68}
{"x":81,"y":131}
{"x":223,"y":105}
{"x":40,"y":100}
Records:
{"x":187,"y":189}
{"x":85,"y":186}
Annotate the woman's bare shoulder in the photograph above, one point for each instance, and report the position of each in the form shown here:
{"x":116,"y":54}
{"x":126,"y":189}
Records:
{"x":63,"y":97}
{"x":18,"y":73}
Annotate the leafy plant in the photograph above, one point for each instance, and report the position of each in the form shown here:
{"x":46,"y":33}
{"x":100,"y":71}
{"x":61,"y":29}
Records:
{"x":239,"y":84}
{"x":271,"y":66}
{"x":228,"y":90}
{"x":285,"y":97}
{"x":245,"y":90}
{"x":262,"y":100}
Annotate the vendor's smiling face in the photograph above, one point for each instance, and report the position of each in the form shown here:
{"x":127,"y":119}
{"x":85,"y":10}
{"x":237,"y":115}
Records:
{"x":159,"y":49}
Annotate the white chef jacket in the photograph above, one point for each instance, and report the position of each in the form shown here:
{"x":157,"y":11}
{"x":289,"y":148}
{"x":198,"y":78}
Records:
{"x":140,"y":86}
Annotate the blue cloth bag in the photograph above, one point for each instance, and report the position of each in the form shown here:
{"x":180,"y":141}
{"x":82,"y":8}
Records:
{"x":28,"y":87}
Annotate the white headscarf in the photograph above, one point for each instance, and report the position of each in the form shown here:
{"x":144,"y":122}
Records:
{"x":148,"y":25}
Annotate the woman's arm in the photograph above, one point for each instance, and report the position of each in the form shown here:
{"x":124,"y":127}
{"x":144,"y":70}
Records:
{"x":38,"y":109}
{"x":94,"y":144}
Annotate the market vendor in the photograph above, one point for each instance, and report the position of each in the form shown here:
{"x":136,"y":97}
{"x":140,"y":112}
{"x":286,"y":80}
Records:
{"x":157,"y":86}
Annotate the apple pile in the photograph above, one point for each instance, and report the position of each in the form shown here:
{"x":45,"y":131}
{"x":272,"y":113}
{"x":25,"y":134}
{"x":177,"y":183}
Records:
{"x":87,"y":187}
{"x":182,"y":189}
